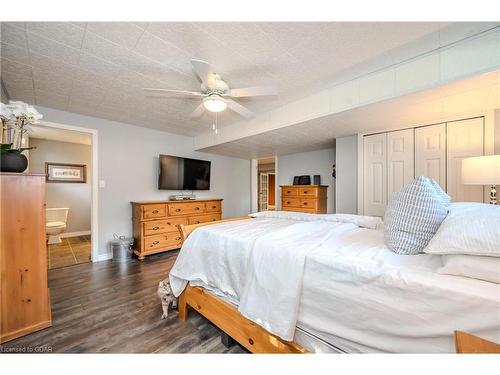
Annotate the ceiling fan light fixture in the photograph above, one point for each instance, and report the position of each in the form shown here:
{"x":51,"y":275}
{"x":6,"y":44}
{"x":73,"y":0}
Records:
{"x":214,"y":103}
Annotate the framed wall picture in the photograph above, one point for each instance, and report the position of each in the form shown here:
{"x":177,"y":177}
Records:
{"x":59,"y":172}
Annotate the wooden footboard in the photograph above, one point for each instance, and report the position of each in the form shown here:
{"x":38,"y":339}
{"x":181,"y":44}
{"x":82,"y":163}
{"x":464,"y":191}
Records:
{"x":225,"y":316}
{"x":187,"y":229}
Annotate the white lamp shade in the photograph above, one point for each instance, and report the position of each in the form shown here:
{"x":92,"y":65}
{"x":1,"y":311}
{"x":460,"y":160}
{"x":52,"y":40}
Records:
{"x":214,"y":103}
{"x":481,"y":170}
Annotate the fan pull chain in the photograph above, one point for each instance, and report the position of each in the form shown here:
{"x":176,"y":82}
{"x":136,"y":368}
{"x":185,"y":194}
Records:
{"x":216,"y":123}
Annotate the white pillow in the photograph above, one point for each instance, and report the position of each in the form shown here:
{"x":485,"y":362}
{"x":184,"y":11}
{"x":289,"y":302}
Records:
{"x":482,"y":268}
{"x":469,"y":228}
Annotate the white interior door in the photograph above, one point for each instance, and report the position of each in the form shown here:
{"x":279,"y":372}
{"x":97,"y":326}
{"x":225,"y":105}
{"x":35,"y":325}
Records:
{"x":430,"y":153}
{"x":375,"y":174}
{"x":263,"y":191}
{"x":400,"y":160}
{"x":465,"y":138}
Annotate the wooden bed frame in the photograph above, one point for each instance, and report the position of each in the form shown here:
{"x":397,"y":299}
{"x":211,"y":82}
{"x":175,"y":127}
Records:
{"x":255,"y":338}
{"x":225,"y":316}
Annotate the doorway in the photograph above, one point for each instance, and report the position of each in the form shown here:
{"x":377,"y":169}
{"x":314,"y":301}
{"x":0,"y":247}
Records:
{"x":68,"y":157}
{"x":266,"y":193}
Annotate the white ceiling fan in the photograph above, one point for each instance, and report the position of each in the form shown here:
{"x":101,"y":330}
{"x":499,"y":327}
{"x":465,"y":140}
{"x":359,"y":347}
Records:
{"x":215,"y":93}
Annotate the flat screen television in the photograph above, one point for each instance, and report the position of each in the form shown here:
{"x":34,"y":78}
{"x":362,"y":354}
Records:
{"x":178,"y":173}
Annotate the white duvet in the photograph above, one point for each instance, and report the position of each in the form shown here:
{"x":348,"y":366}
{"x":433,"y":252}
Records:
{"x":340,"y":282}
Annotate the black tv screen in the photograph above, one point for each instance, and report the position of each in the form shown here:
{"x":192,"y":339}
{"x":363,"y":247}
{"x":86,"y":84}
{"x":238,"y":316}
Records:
{"x":178,"y":173}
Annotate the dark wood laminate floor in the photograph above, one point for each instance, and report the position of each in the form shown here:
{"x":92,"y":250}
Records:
{"x":110,"y":307}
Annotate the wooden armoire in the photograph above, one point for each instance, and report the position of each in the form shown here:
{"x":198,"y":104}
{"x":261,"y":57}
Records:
{"x":25,"y":302}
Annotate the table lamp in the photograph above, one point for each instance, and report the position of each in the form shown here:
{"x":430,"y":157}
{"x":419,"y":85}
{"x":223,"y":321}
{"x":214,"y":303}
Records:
{"x":482,"y":170}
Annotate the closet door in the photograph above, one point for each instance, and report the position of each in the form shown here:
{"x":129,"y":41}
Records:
{"x":464,"y":139}
{"x":400,"y":160}
{"x":375,"y":174}
{"x":430,"y":153}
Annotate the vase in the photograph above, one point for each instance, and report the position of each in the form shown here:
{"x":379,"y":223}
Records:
{"x":13,"y":162}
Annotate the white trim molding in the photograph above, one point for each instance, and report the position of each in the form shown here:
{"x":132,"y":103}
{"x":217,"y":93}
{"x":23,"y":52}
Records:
{"x":95,"y":180}
{"x":102,"y":257}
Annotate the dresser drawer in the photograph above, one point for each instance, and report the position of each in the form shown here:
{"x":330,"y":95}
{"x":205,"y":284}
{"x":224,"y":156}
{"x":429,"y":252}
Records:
{"x":163,"y":226}
{"x":308,"y":192}
{"x":290,"y":202}
{"x":185,"y":208}
{"x":167,"y":240}
{"x":289,"y":191}
{"x":152,"y":211}
{"x":299,"y":209}
{"x":213,"y":206}
{"x":309,"y":203}
{"x":204,"y":218}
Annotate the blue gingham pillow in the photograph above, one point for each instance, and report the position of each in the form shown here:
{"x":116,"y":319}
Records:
{"x":414,"y":215}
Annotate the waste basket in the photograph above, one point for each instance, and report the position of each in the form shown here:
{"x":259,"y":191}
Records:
{"x":121,"y":247}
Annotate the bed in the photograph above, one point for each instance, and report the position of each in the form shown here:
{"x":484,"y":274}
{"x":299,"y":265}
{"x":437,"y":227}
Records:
{"x":354,"y":294}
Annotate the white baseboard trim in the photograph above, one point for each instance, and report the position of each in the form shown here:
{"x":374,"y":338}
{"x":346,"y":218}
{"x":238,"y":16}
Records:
{"x":75,"y":234}
{"x":103,"y":257}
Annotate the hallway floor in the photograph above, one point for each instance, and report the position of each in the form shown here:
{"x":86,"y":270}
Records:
{"x":71,"y":251}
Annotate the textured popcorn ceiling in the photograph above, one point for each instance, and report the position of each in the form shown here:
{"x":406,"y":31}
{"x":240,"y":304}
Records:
{"x":98,"y":69}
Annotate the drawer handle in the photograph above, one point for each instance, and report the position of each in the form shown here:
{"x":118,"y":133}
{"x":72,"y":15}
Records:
{"x":197,"y":222}
{"x":214,"y":206}
{"x":305,"y":191}
{"x":177,"y":238}
{"x":197,"y":208}
{"x":289,"y":191}
{"x":214,"y":219}
{"x":156,"y":242}
{"x":288,"y":202}
{"x":156,"y":228}
{"x":177,"y":210}
{"x":305,"y":203}
{"x":155,"y":211}
{"x":169,"y":223}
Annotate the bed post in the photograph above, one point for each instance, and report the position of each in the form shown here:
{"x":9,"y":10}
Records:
{"x":182,"y":306}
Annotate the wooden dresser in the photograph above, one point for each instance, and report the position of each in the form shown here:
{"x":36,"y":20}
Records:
{"x":304,"y":198}
{"x":25,"y":302}
{"x":154,"y":223}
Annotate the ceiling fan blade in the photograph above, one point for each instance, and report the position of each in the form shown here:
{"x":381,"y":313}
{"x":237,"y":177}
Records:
{"x":238,"y":108}
{"x":202,"y":70}
{"x":167,"y":92}
{"x":253,"y":91}
{"x":198,"y":111}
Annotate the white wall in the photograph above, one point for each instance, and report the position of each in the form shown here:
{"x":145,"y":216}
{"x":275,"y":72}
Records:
{"x":75,"y":196}
{"x":307,"y":163}
{"x":128,"y":162}
{"x":346,"y":150}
